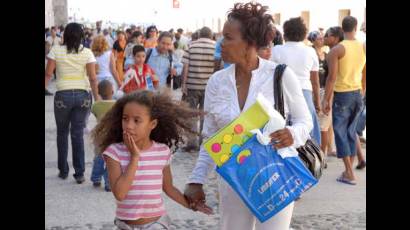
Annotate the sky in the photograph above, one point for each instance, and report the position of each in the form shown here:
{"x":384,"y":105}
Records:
{"x":191,"y":13}
{"x":194,"y":14}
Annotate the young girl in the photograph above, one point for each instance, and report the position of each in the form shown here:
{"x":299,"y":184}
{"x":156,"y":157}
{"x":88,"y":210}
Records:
{"x":137,"y":134}
{"x":139,"y":75}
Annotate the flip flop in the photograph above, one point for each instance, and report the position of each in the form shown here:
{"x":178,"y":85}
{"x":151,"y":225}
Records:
{"x":342,"y":179}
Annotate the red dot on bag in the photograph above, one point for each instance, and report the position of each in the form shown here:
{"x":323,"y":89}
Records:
{"x":242,"y":159}
{"x":238,"y":129}
{"x":216,"y":148}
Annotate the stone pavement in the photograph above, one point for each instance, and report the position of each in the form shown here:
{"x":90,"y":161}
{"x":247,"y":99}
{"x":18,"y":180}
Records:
{"x":329,"y":205}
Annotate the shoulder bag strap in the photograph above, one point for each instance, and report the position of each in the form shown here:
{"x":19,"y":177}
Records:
{"x":278,"y":89}
{"x":170,"y":59}
{"x":148,"y":55}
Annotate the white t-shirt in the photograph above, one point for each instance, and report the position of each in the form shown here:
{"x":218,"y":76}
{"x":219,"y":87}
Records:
{"x":53,"y":42}
{"x":300,"y":58}
{"x":103,"y":62}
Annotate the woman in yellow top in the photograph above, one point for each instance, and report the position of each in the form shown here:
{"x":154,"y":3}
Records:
{"x":119,"y":53}
{"x":72,"y":101}
{"x":151,"y":37}
{"x":345,"y":86}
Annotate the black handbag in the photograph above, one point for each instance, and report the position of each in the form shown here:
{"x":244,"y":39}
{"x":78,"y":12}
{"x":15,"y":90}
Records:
{"x":177,"y":80}
{"x":310,"y":153}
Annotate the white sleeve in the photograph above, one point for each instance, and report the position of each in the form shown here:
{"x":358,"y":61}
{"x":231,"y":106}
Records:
{"x":204,"y":163}
{"x":301,"y":120}
{"x":129,"y":74}
{"x":90,"y":57}
{"x":315,"y":66}
{"x":52,"y":54}
{"x":275,"y":54}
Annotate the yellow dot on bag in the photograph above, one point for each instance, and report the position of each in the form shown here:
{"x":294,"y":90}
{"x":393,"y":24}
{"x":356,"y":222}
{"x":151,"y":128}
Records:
{"x":224,"y":158}
{"x":227,"y":139}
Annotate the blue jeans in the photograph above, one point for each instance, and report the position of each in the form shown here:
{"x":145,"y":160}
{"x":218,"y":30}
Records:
{"x":99,"y":170}
{"x":346,"y":112}
{"x":70,"y":111}
{"x":315,"y":133}
{"x":361,"y":123}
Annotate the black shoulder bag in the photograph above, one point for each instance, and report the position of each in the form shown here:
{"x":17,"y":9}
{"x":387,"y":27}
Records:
{"x":177,"y":79}
{"x":310,"y":153}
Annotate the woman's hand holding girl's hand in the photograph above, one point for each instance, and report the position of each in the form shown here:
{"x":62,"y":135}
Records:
{"x":198,"y":206}
{"x":132,"y":147}
{"x":326,"y":107}
{"x":282,"y":138}
{"x":202,"y":207}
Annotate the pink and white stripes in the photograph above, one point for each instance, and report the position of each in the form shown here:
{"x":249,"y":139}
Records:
{"x":144,"y":198}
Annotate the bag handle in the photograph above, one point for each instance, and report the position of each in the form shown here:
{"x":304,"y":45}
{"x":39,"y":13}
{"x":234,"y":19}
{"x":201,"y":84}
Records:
{"x":278,"y":89}
{"x":148,"y":55}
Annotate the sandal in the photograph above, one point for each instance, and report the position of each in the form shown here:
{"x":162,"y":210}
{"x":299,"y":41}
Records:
{"x":343,"y":179}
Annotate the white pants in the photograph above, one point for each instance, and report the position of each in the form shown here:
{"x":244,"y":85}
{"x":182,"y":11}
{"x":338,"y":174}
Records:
{"x":236,"y":215}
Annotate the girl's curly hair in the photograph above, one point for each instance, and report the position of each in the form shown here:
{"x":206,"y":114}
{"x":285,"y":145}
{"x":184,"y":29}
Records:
{"x":174,"y":119}
{"x":256,"y":24}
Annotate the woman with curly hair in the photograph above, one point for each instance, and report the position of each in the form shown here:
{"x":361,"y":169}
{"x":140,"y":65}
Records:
{"x":233,"y":90}
{"x":105,"y":62}
{"x":137,"y":134}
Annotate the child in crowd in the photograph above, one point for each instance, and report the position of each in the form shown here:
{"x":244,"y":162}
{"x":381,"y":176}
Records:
{"x":99,"y":109}
{"x":136,"y":135}
{"x":139,"y":75}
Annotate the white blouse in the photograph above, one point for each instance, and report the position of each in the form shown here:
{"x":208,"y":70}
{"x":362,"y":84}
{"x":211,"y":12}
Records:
{"x":221,"y":106}
{"x":302,"y":64}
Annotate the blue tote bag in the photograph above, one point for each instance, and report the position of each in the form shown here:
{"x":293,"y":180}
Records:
{"x":265,"y":182}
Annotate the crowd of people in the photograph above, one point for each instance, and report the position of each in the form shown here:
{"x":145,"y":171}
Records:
{"x":124,"y":78}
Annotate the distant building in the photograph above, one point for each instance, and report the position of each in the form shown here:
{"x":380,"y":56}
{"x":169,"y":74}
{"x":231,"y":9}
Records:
{"x":318,"y":14}
{"x":56,"y":13}
{"x":49,"y":13}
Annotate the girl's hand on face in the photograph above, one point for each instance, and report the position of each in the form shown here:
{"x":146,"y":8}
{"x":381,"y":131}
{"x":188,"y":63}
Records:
{"x":130,"y":143}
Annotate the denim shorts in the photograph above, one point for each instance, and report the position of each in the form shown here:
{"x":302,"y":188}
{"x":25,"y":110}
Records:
{"x":160,"y":224}
{"x":346,"y":110}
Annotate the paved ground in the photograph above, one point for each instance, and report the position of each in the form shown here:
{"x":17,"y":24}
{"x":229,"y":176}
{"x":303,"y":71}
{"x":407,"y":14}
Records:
{"x":329,"y":205}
